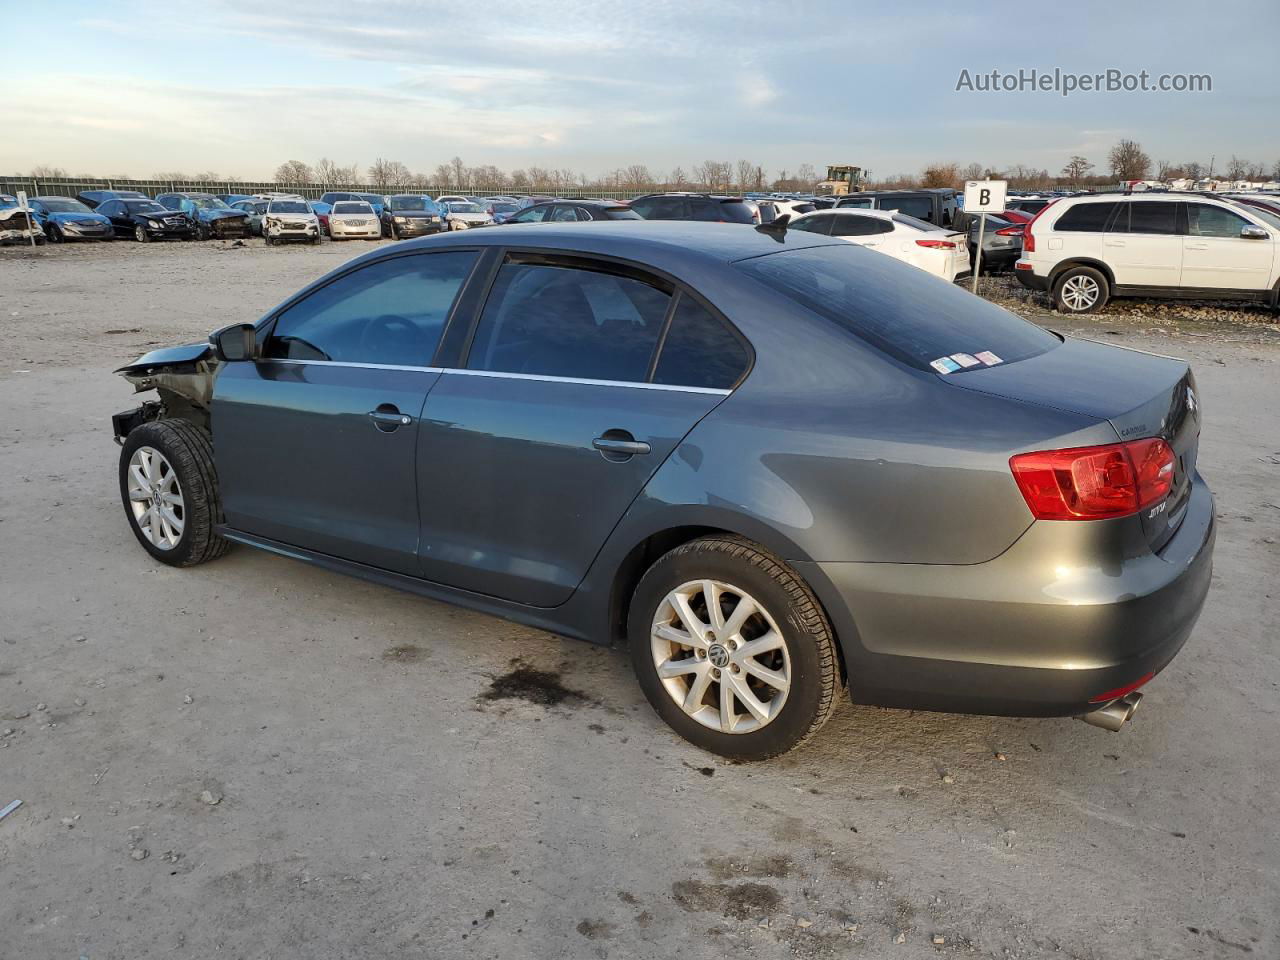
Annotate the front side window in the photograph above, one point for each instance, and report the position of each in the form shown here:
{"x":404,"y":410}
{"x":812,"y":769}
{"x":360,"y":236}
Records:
{"x":389,"y":312}
{"x":1206,"y":220}
{"x":530,"y":215}
{"x":563,"y":214}
{"x":700,"y":350}
{"x":570,"y":321}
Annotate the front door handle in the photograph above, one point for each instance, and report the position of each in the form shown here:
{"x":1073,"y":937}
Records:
{"x":387,"y":418}
{"x":1113,"y":243}
{"x":618,"y":445}
{"x":1197,"y":246}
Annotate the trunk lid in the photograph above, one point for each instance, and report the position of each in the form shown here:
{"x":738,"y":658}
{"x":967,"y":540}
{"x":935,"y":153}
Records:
{"x":1139,"y":394}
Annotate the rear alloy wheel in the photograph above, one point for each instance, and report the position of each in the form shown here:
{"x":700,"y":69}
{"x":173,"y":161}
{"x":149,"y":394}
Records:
{"x":732,"y":649}
{"x":140,"y":234}
{"x":170,"y":492}
{"x":1080,"y":290}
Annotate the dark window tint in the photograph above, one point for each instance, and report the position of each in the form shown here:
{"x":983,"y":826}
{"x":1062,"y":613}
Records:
{"x":889,"y":304}
{"x":1085,"y":218}
{"x":921,"y":207}
{"x":564,"y":321}
{"x":531,"y":215}
{"x":562,"y":213}
{"x":1149,"y":216}
{"x":853,"y":225}
{"x":864,"y":202}
{"x":819,"y":224}
{"x":707,"y":210}
{"x":700,"y":350}
{"x":621,"y":213}
{"x":1206,"y":220}
{"x":735,"y":211}
{"x":660,"y":208}
{"x":390,"y":312}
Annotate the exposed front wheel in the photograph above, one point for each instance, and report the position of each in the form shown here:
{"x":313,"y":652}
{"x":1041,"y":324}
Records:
{"x":1080,"y":290}
{"x":732,"y":649}
{"x":140,"y":234}
{"x":170,"y":492}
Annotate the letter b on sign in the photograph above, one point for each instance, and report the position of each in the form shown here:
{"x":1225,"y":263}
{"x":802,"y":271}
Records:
{"x":984,"y":196}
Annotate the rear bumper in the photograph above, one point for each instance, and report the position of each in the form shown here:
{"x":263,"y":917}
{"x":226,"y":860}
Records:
{"x":1027,"y":276}
{"x":1024,"y":634}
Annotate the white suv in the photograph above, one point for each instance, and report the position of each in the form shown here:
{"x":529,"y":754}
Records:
{"x":290,"y":218}
{"x":1085,"y":250}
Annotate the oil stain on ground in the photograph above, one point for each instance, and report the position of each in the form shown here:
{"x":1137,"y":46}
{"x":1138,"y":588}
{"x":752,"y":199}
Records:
{"x":542,"y":687}
{"x":739,"y":901}
{"x":405,"y":653}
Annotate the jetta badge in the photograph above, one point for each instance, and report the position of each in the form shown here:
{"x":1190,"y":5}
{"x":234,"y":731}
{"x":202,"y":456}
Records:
{"x":1191,"y":400}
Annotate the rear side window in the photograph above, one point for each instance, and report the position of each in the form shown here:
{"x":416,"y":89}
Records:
{"x":852,"y":225}
{"x":1206,"y":220}
{"x":735,"y":212}
{"x":531,"y":215}
{"x":389,"y":312}
{"x":819,"y":224}
{"x":700,"y":350}
{"x":1085,"y":218}
{"x":660,"y":208}
{"x":621,"y":213}
{"x":887,"y":303}
{"x":1148,"y":216}
{"x":562,"y":214}
{"x":569,"y":321}
{"x":921,"y":207}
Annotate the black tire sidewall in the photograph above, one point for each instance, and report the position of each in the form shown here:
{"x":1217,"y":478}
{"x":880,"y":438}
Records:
{"x":198,"y":514}
{"x":804,"y":698}
{"x":1104,"y":289}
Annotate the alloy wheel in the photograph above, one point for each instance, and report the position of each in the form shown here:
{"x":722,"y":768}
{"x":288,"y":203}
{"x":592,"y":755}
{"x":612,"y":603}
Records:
{"x":155,"y":497}
{"x":1080,"y":292}
{"x":720,"y":656}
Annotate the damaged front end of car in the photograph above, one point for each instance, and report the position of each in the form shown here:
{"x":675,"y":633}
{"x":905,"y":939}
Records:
{"x":183,"y":379}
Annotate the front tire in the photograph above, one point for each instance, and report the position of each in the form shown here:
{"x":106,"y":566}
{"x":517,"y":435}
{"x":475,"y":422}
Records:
{"x":1080,"y":290}
{"x":140,"y":234}
{"x":170,"y":492}
{"x":732,"y":649}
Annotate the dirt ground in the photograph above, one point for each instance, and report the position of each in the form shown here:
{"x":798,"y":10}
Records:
{"x":258,"y":759}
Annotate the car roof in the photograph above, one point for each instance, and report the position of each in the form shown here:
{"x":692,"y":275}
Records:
{"x":643,"y":241}
{"x":852,"y":212}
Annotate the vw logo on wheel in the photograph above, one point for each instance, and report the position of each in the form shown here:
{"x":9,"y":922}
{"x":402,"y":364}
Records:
{"x":718,"y":654}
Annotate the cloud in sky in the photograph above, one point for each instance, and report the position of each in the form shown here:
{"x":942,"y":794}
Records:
{"x":239,"y":86}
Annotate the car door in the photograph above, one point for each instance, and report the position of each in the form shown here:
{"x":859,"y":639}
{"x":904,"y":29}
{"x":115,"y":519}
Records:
{"x":1216,"y":257}
{"x":317,"y":440}
{"x":113,"y":210}
{"x":532,"y":451}
{"x":1143,"y":245}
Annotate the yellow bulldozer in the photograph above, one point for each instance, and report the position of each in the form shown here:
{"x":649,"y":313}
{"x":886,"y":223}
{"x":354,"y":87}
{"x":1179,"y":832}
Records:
{"x":841,"y":180}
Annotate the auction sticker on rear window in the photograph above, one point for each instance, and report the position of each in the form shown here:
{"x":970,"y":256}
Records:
{"x":987,"y":357}
{"x":965,"y":359}
{"x":945,"y":365}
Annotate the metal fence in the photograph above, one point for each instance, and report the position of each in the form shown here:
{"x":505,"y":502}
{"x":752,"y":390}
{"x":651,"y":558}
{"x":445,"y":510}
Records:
{"x":70,"y":186}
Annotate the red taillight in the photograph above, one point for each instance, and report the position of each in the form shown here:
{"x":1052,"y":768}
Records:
{"x":936,"y":244}
{"x":1119,"y":692}
{"x":1091,"y":483}
{"x":1028,"y":238}
{"x":1010,"y":231}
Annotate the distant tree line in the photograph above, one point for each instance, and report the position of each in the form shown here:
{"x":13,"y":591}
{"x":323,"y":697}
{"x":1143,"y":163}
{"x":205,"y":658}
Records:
{"x":1125,"y":161}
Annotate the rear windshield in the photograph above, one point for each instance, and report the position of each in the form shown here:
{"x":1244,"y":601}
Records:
{"x":921,"y":207}
{"x":621,"y":213}
{"x":915,"y":318}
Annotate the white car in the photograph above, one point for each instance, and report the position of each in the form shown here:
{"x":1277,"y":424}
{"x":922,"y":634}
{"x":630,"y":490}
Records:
{"x":1085,"y":250}
{"x":461,"y":215}
{"x":354,"y":219}
{"x":781,"y":205}
{"x":452,"y":198}
{"x":936,"y":250}
{"x":290,"y":219}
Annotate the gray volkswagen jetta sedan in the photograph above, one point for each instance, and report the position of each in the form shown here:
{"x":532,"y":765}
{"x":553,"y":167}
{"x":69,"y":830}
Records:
{"x":775,"y":464}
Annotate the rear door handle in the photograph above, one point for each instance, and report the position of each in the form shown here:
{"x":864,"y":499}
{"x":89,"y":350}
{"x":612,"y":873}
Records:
{"x":619,"y":445}
{"x":388,"y":418}
{"x":1113,"y":243}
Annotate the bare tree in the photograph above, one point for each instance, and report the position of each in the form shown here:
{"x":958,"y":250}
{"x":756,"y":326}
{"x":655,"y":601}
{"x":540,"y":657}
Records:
{"x":294,"y":171}
{"x":807,"y":176}
{"x":207,"y":176}
{"x":1256,"y":172}
{"x":1194,"y":169}
{"x":1275,"y":171}
{"x":1128,"y":161}
{"x":458,"y":172}
{"x":973,"y":171}
{"x":43,"y":171}
{"x":170,"y":175}
{"x":1236,"y":168}
{"x":746,"y":173}
{"x":636,"y":178}
{"x":677,"y":179}
{"x":1076,"y":169}
{"x":940,"y":175}
{"x":714,"y":174}
{"x":326,"y":171}
{"x":350,"y":174}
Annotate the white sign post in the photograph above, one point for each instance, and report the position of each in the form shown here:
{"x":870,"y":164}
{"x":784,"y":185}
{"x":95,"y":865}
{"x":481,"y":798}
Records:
{"x":983,"y":197}
{"x":22,"y":205}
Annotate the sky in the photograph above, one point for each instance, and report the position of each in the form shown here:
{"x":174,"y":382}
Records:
{"x":134,"y":87}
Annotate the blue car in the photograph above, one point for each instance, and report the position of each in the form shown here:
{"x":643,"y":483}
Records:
{"x":62,"y":218}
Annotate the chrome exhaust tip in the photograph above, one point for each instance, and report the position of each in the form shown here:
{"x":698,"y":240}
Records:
{"x":1114,"y":715}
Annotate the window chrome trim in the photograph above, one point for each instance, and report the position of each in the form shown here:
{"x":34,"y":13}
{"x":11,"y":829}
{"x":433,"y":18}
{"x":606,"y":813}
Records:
{"x":503,"y":375}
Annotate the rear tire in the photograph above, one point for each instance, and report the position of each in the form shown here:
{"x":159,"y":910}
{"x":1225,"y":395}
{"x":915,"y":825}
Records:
{"x":1080,"y":290}
{"x":782,"y":656}
{"x":169,"y":489}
